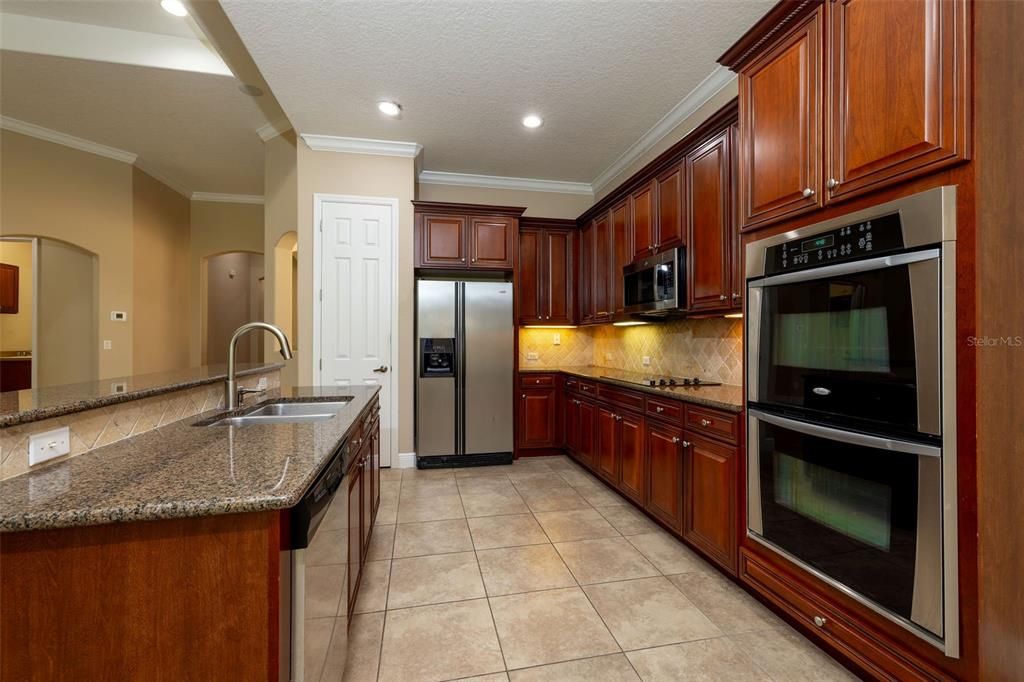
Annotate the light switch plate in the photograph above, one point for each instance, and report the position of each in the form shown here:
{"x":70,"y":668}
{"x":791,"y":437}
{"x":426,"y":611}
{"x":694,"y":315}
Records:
{"x":262,"y":385}
{"x":49,"y":444}
{"x":557,"y":339}
{"x":646,"y":361}
{"x":107,"y":345}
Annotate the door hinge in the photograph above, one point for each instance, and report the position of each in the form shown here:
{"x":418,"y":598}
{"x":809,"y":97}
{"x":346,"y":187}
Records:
{"x":321,"y":224}
{"x":321,"y":294}
{"x":321,"y":363}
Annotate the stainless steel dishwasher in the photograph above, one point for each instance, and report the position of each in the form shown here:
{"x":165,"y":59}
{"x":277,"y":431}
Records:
{"x":314,"y":598}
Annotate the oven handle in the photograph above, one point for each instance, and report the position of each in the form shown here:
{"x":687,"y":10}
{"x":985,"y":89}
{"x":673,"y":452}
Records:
{"x":846,"y":268}
{"x":851,"y":437}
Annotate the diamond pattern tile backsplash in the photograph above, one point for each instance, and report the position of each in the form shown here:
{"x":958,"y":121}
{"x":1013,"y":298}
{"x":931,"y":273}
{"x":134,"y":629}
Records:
{"x":710,"y":348}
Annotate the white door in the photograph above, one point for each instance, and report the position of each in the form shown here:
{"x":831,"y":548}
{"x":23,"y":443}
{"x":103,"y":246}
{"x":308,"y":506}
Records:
{"x":357,"y":302}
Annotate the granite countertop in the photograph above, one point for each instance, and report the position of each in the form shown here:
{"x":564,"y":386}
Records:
{"x":180,"y":470}
{"x":35,"y":404}
{"x":724,"y":397}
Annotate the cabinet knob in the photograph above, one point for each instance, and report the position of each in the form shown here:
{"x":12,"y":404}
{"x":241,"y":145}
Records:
{"x":808,"y":192}
{"x":735,"y":296}
{"x":705,"y":422}
{"x":723,"y":297}
{"x":820,"y":621}
{"x":659,"y":409}
{"x":686,"y":443}
{"x":832,"y":183}
{"x":618,"y":417}
{"x":524,"y":396}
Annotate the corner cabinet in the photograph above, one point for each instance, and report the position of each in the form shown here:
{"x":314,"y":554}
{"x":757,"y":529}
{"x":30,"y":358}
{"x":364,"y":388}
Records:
{"x":546,"y":276}
{"x":465,"y":236}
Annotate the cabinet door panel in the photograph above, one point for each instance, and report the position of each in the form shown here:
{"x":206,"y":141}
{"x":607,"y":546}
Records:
{"x":602,"y":268}
{"x":570,"y":423}
{"x":607,"y":445}
{"x":531,"y":273}
{"x":780,"y":104}
{"x":670,"y":209}
{"x":586,"y":287}
{"x":632,"y":469}
{"x":537,"y":418}
{"x":899,"y":91}
{"x":622,"y":256}
{"x":355,"y":544}
{"x":367,"y":521}
{"x":558,"y":280}
{"x":645,"y":237}
{"x":491,"y":242}
{"x":708,"y":276}
{"x":665,"y":474}
{"x":587,"y":432}
{"x":9,"y":277}
{"x":710,"y":515}
{"x":442,"y":240}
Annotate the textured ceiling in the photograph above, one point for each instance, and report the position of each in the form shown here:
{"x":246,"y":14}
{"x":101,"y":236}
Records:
{"x":133,"y":15}
{"x":600,"y":73}
{"x":196,"y":130}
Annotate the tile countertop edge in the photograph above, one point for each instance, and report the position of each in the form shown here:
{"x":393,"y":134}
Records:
{"x":688,"y":395}
{"x":164,"y":506}
{"x":30,"y":415}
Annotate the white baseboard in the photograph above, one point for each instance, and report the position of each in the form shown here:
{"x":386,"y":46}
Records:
{"x":406,"y":460}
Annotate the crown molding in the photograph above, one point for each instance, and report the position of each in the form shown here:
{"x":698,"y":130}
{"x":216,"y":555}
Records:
{"x":228,"y":198}
{"x":41,"y":133}
{"x":162,"y":179}
{"x":718,"y":79}
{"x":360,"y":145}
{"x":502,"y":182}
{"x":271,"y":130}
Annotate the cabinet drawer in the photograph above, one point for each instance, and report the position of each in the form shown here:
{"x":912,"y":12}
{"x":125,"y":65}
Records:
{"x":571,"y":384}
{"x":670,"y":410}
{"x":532,"y":380}
{"x":620,"y":397}
{"x":587,"y":387}
{"x":713,"y":423}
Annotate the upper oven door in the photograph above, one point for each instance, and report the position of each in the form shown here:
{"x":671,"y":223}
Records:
{"x":853,"y":343}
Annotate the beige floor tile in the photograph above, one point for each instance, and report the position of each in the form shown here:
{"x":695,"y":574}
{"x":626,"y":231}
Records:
{"x":373,"y":587}
{"x":434,"y":579}
{"x":575,"y":524}
{"x":601,"y":497}
{"x":418,"y":487}
{"x":494,"y":677}
{"x":337,"y":652}
{"x":316,"y":640}
{"x":578,"y":479}
{"x":604,"y":560}
{"x":611,"y":668}
{"x":324,"y":587}
{"x":786,"y":655}
{"x":536,"y":478}
{"x":523,"y":569}
{"x":488,"y":484}
{"x":389,"y":490}
{"x":725,"y":603}
{"x":532,"y":464}
{"x":364,"y":638}
{"x":427,"y":474}
{"x":382,"y":542}
{"x":628,"y":520}
{"x":440,"y":642}
{"x":649,"y":612}
{"x":387,"y":514}
{"x":328,"y":547}
{"x":432,"y":537}
{"x":707,"y":660}
{"x":561,"y":498}
{"x":548,"y":627}
{"x":413,"y":509}
{"x":392,"y":474}
{"x":493,"y":504}
{"x":670,"y":555}
{"x":506,"y":531}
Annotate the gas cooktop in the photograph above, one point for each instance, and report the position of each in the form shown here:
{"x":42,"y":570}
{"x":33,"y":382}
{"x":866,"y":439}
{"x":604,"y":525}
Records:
{"x":668,"y":382}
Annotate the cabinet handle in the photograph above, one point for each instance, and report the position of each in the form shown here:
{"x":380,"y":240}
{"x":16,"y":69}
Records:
{"x":832,"y":183}
{"x":808,"y":192}
{"x":722,"y":297}
{"x":820,"y":621}
{"x":705,"y":422}
{"x":659,"y":409}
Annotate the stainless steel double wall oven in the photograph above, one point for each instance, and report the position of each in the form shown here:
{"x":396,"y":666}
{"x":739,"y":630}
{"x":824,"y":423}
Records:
{"x":851,"y":381}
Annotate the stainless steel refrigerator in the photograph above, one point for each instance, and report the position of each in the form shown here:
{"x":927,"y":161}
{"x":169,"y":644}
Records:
{"x":464,"y":373}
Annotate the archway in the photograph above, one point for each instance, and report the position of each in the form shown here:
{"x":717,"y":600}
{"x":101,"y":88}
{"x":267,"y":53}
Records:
{"x":231,"y":295}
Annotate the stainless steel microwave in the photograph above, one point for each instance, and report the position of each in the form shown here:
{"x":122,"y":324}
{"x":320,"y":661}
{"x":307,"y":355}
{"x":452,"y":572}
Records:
{"x":656,"y":284}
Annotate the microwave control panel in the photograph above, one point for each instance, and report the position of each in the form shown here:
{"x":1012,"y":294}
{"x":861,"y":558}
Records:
{"x":852,"y":242}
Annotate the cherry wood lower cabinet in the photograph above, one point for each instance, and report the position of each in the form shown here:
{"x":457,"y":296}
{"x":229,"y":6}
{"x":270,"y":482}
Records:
{"x":665,"y":473}
{"x":710,"y":487}
{"x":607,"y":444}
{"x":632,"y":457}
{"x":537,"y":418}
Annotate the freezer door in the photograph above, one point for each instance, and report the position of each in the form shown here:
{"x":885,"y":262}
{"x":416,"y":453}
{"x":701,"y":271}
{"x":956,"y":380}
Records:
{"x":487,"y":370}
{"x":435,"y":395}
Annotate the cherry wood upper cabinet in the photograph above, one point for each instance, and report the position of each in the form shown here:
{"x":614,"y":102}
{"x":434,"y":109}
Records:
{"x":586,"y":286}
{"x":545,"y":275}
{"x":665,"y":473}
{"x":736,"y":259}
{"x":900,"y":96}
{"x":622,"y":257}
{"x":9,"y":288}
{"x":782,"y":124}
{"x":490,"y":242}
{"x":670,"y":208}
{"x":530,"y":276}
{"x":642,"y":211}
{"x":709,"y":220}
{"x":559,"y":282}
{"x":465,"y":236}
{"x":601,"y":277}
{"x":709,"y":519}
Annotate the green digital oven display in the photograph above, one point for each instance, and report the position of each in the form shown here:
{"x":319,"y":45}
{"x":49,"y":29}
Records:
{"x":819,"y":243}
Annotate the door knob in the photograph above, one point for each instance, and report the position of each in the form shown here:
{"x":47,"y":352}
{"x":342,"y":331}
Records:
{"x":381,"y":369}
{"x":808,"y":192}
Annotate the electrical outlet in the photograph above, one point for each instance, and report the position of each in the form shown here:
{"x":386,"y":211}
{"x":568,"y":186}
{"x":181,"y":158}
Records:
{"x":48,"y":444}
{"x":646,"y":361}
{"x":107,"y":345}
{"x":557,"y":339}
{"x":532,"y":356}
{"x":118,"y":387}
{"x":262,"y":385}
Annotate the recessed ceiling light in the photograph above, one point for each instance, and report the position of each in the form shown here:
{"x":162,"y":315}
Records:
{"x":390,"y":108}
{"x":174,"y":7}
{"x":532,"y":121}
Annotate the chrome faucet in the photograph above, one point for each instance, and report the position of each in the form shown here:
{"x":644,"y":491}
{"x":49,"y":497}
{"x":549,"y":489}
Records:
{"x":232,"y":393}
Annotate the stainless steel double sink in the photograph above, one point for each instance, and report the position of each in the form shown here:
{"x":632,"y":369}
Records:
{"x":283,"y":412}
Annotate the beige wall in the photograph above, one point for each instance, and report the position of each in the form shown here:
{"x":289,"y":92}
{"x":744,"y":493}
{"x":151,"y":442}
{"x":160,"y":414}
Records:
{"x":720,"y":99}
{"x":372,"y":176}
{"x":68,"y":348}
{"x":16,"y":328}
{"x":233,"y":298}
{"x":49,"y":190}
{"x":280,"y":213}
{"x":538,"y":204}
{"x":160,"y":276}
{"x":216,"y":228}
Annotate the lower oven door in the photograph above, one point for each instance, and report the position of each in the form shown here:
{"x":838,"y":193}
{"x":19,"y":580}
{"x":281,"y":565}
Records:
{"x":860,"y":512}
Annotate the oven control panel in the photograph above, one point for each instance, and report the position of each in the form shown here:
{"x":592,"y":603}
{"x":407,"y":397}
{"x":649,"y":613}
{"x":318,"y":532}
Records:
{"x":852,"y":242}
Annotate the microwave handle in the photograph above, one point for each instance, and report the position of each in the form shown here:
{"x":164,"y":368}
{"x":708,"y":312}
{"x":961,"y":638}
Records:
{"x":845,"y":268}
{"x":850,"y":437}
